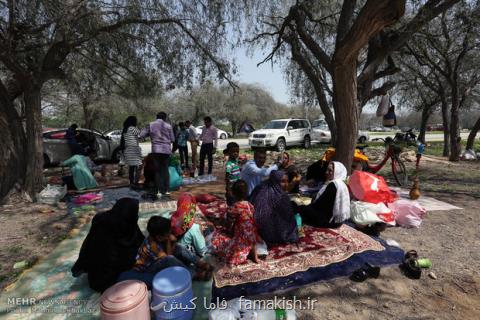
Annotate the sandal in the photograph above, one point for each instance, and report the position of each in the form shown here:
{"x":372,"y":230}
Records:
{"x":363,"y":274}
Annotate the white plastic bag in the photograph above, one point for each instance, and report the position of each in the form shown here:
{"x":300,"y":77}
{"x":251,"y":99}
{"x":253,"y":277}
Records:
{"x":366,"y":213}
{"x":469,"y":155}
{"x":262,"y":249}
{"x":223,"y":314}
{"x":52,"y":194}
{"x":382,"y":108}
{"x":408,"y":213}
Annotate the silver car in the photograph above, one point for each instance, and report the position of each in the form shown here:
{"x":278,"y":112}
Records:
{"x":56,"y":149}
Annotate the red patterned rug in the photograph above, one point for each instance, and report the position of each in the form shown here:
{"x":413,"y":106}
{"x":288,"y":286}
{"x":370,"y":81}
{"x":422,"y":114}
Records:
{"x":319,"y":247}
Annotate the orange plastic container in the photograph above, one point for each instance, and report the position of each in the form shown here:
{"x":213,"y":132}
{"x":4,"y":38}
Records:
{"x":126,"y":300}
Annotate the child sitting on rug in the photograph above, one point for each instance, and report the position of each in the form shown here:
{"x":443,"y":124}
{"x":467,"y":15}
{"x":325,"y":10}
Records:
{"x":191,"y":245}
{"x":159,"y":251}
{"x":240,"y":241}
{"x":232,"y":170}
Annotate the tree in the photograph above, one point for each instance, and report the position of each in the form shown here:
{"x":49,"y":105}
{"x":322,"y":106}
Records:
{"x":353,"y":43}
{"x":446,"y":53}
{"x":37,"y":37}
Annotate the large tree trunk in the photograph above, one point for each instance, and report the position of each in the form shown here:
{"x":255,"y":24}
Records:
{"x":12,"y":148}
{"x":34,"y":150}
{"x":473,"y":134}
{"x":88,"y":116}
{"x":426,"y":113}
{"x":454,"y":129}
{"x":346,"y":110}
{"x":446,"y":131}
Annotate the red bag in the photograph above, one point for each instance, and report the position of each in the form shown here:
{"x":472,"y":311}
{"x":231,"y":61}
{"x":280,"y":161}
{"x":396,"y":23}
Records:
{"x":205,"y":198}
{"x":371,"y":188}
{"x":182,"y":219}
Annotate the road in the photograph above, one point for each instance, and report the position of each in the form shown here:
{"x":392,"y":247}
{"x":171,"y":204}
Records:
{"x":243,"y":143}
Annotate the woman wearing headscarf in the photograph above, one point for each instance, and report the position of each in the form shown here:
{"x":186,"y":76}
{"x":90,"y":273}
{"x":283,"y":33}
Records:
{"x":274,"y":215}
{"x":131,"y":149}
{"x":331,"y":207}
{"x":111,"y":245}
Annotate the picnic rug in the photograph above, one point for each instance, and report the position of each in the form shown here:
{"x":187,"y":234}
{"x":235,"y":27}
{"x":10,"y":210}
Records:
{"x":322,"y":254}
{"x":389,"y":256}
{"x":58,"y":295}
{"x":319,"y":247}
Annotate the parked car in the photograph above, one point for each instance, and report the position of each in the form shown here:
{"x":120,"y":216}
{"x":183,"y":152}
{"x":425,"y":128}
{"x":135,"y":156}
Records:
{"x":281,"y":133}
{"x":321,"y":133}
{"x":117,"y":134}
{"x":221,"y":134}
{"x":435,"y":127}
{"x":56,"y":149}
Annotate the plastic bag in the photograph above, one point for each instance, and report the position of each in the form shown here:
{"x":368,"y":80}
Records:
{"x":223,"y":314}
{"x":175,"y":178}
{"x":365,"y":213}
{"x":382,"y":108}
{"x":371,"y":188}
{"x":408,"y":213}
{"x":52,"y":194}
{"x":390,"y":119}
{"x":262,"y":249}
{"x":469,"y":155}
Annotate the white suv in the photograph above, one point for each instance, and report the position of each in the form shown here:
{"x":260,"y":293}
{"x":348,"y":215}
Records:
{"x":282,"y":133}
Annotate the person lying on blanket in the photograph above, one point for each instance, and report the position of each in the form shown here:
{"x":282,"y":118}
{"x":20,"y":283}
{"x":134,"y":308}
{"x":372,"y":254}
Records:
{"x":274,"y":215}
{"x":331,"y":206}
{"x":110,"y":246}
{"x":159,"y":251}
{"x":241,"y":238}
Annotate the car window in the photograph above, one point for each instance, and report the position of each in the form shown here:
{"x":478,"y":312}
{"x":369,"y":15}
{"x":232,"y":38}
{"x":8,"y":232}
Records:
{"x":305,"y":124}
{"x":275,"y":125}
{"x":294,"y":124}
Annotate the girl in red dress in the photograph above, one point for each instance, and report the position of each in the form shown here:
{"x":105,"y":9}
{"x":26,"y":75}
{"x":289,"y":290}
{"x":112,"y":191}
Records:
{"x":241,"y":238}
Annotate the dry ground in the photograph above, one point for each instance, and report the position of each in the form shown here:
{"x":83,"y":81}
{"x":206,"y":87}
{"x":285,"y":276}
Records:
{"x":451,"y":239}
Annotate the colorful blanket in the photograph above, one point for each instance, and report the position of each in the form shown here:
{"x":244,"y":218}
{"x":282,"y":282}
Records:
{"x":319,"y":247}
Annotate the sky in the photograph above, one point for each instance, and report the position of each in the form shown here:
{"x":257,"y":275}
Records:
{"x":270,"y":77}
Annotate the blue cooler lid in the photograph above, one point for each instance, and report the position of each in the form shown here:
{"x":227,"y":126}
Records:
{"x":171,"y":281}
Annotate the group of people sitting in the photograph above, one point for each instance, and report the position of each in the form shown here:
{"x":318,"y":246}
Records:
{"x":260,"y":203}
{"x":260,"y":211}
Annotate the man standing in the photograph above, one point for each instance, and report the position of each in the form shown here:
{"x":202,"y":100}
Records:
{"x":209,"y":145}
{"x":253,"y":171}
{"x":193,"y":139}
{"x":162,"y":137}
{"x":71,"y":136}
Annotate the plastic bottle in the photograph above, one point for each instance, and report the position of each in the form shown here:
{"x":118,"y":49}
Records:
{"x":278,"y":314}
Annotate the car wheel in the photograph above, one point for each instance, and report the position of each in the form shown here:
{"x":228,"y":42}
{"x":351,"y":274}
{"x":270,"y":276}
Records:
{"x":281,"y":145}
{"x":307,"y":143}
{"x":362,"y":139}
{"x":46,"y":160}
{"x":223,"y":136}
{"x":116,"y":156}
